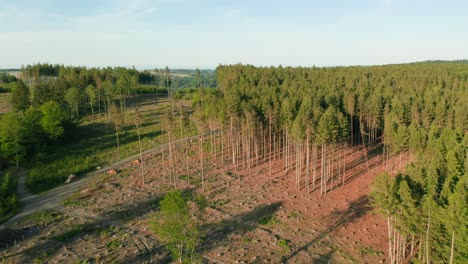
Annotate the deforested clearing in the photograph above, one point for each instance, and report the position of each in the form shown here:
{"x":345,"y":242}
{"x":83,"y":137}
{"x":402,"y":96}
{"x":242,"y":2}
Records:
{"x":272,"y":165}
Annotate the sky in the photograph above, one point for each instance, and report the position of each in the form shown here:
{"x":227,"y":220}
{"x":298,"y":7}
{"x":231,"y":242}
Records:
{"x":206,"y":33}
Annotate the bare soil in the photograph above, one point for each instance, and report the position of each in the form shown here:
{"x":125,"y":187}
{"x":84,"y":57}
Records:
{"x":253,"y":217}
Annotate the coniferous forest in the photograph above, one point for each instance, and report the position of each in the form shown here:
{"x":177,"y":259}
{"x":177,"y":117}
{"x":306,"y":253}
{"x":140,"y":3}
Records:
{"x":308,"y":116}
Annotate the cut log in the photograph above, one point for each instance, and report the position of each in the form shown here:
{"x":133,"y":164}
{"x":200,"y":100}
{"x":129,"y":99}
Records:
{"x":112,"y":172}
{"x":70,"y":178}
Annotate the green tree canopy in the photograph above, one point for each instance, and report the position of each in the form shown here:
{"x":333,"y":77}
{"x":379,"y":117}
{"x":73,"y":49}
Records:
{"x":52,"y":120}
{"x":20,"y":96}
{"x":11,"y":134}
{"x":176,"y":226}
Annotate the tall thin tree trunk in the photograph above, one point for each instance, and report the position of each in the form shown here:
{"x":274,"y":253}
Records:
{"x":308,"y":164}
{"x":389,"y":226}
{"x":314,"y":178}
{"x":201,"y":162}
{"x":427,"y":238}
{"x":452,"y":247}
{"x":141,"y":156}
{"x":270,"y":154}
{"x":322,"y":168}
{"x":118,"y":144}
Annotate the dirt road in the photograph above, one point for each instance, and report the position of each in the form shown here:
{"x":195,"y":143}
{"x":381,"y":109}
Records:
{"x":54,"y":198}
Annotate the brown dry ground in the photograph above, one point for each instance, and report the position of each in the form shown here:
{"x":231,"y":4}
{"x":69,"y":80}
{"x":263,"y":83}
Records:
{"x":253,"y":217}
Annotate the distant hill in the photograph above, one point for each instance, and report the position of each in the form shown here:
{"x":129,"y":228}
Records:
{"x":10,"y":70}
{"x":441,"y":62}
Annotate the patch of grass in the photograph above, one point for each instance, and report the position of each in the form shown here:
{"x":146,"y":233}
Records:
{"x":42,"y":218}
{"x":193,"y":180}
{"x":363,"y":251}
{"x":219,"y":203}
{"x":246,"y":239}
{"x":271,"y":220}
{"x":201,"y":201}
{"x":114,"y":244}
{"x":294,"y":215}
{"x":213,"y":178}
{"x":75,"y":200}
{"x":84,"y":228}
{"x":5,"y":105}
{"x":93,"y":144}
{"x":104,"y":233}
{"x":108,"y":231}
{"x":46,"y":175}
{"x":284,"y":244}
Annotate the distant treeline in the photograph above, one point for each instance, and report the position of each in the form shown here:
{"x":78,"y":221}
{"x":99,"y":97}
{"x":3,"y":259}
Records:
{"x":5,"y":82}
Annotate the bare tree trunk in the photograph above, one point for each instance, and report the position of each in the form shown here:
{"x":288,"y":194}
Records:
{"x":322,"y":168}
{"x":307,"y":164}
{"x":141,"y":156}
{"x":187,"y":167}
{"x":270,"y":154}
{"x":404,"y":247}
{"x":452,"y":247}
{"x":222,"y":145}
{"x":412,"y":246}
{"x":201,"y":161}
{"x":314,"y":178}
{"x":344,"y":166}
{"x":118,"y":144}
{"x":389,"y":226}
{"x":171,"y":159}
{"x":427,"y":238}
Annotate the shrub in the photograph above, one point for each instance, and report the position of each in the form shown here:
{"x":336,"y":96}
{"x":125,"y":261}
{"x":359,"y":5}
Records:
{"x":176,"y":227}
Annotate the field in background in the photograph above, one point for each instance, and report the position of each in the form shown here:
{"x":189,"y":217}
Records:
{"x":4,"y":103}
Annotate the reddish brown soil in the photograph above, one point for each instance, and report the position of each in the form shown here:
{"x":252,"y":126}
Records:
{"x":253,"y":217}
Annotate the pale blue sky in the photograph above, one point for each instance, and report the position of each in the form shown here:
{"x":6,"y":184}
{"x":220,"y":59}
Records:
{"x":205,"y":33}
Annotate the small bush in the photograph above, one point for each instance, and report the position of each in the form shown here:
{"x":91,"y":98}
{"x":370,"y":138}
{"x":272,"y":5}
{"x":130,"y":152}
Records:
{"x":114,"y":244}
{"x":363,"y":251}
{"x":269,"y":221}
{"x":176,"y":227}
{"x":284,"y":244}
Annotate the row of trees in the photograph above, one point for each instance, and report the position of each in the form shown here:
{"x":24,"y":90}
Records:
{"x":309,"y":116}
{"x":427,"y":206}
{"x":5,"y":80}
{"x":80,"y":87}
{"x":76,"y":91}
{"x":22,"y":133}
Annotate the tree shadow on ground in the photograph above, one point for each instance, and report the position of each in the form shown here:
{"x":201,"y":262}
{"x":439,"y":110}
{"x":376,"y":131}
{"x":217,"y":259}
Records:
{"x":337,"y":218}
{"x":354,"y":169}
{"x":93,"y":226}
{"x":324,"y":259}
{"x":216,"y":233}
{"x":24,"y":230}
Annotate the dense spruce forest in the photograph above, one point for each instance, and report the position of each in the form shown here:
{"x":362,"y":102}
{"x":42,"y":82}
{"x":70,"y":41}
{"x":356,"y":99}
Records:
{"x":309,"y":116}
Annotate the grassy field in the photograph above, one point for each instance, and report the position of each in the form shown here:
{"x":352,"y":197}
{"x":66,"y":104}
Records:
{"x":94,"y":144}
{"x":4,"y":103}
